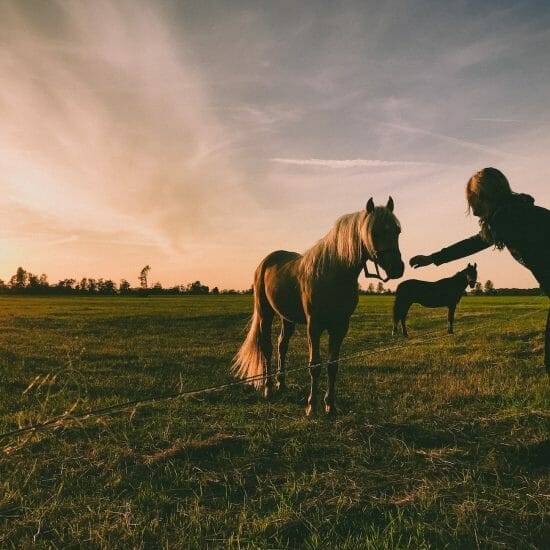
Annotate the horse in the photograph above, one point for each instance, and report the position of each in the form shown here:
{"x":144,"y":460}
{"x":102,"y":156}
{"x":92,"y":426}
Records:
{"x":443,"y":293}
{"x":318,"y":288}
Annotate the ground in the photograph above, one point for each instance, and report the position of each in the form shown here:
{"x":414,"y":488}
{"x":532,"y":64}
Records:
{"x":440,"y":440}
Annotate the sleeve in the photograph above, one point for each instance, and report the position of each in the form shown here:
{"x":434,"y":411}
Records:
{"x":460,"y":249}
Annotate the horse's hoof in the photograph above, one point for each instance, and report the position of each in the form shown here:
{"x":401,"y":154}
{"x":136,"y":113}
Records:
{"x":330,"y":410}
{"x":268,"y":391}
{"x":280,"y":386}
{"x":310,"y":410}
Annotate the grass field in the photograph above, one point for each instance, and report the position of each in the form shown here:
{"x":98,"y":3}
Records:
{"x":440,"y":441}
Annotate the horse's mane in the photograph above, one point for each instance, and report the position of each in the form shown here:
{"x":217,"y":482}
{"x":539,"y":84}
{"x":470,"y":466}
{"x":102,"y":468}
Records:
{"x":343,"y":244}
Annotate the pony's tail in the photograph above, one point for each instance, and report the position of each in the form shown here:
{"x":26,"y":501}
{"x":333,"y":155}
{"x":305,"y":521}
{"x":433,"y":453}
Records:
{"x":248,"y":362}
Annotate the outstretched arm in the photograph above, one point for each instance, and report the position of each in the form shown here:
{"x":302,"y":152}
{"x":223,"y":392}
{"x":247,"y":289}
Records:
{"x":420,"y":261}
{"x":458,"y":250}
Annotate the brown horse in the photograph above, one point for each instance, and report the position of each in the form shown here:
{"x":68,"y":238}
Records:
{"x":318,"y":289}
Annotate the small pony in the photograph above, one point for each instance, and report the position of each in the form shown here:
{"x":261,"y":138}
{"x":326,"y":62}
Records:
{"x":319,"y":289}
{"x":443,"y":293}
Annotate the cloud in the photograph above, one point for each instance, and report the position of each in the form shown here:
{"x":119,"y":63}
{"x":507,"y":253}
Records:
{"x":107,"y":125}
{"x":454,"y":141}
{"x":350,"y":163}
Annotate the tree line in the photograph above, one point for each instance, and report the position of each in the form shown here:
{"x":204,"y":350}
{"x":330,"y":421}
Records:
{"x":27,"y":283}
{"x":486,"y":289}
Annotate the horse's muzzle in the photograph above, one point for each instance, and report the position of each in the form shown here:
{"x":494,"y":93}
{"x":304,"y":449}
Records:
{"x":391,"y":263}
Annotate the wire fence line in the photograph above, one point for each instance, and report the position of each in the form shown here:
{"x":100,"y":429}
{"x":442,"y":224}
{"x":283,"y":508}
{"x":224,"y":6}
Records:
{"x":59,"y":420}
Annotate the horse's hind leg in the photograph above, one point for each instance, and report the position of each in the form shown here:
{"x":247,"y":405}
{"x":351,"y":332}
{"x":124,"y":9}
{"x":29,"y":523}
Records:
{"x":287,"y":330}
{"x":267,"y":348}
{"x":314,"y":341}
{"x":336,"y":337}
{"x":403,"y":320}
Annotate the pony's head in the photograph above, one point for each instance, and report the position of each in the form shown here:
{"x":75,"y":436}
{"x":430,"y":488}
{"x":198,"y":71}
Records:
{"x":381,"y":238}
{"x":471,"y":274}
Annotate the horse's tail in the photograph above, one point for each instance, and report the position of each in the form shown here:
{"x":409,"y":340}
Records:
{"x":248,"y":362}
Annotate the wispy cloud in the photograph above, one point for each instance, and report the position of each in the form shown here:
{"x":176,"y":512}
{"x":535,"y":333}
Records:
{"x":455,"y":141}
{"x":107,"y":124}
{"x":351,"y":163}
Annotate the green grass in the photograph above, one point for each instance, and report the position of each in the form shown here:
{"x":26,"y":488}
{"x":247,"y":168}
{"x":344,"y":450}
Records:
{"x":440,"y":441}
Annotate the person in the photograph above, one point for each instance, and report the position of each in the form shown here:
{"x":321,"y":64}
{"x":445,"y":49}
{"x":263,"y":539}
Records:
{"x":506,"y":219}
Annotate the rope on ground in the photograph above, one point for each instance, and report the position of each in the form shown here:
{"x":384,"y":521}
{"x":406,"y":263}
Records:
{"x":58,"y":420}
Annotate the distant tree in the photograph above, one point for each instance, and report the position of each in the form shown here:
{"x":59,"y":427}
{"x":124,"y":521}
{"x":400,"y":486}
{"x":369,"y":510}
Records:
{"x":157,"y":288}
{"x":124,"y":287}
{"x":91,"y":286}
{"x":380,"y":288}
{"x":215,"y":290}
{"x":478,"y":291}
{"x":143,"y":276}
{"x":106,"y":287}
{"x":66,"y":286}
{"x":33,"y":282}
{"x":489,"y":287}
{"x":370,"y":288}
{"x":19,"y":280}
{"x":197,"y":288}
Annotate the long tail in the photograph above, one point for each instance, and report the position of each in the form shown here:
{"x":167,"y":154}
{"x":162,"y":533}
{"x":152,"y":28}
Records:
{"x":249,"y":360}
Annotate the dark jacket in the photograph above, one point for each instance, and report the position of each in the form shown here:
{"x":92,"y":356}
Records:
{"x":522,"y":227}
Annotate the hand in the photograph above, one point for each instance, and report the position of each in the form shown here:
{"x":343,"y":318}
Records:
{"x":420,"y":261}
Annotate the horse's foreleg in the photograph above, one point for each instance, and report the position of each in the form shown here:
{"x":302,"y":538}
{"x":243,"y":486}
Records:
{"x":287,"y":330}
{"x":314,"y":340}
{"x":451,"y":319}
{"x":336,"y":336}
{"x":267,"y":351}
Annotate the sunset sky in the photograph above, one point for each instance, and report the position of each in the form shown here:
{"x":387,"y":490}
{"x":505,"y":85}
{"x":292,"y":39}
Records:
{"x":198,"y":136}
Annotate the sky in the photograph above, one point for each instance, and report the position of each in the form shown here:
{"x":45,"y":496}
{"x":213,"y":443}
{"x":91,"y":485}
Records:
{"x":199,"y":136}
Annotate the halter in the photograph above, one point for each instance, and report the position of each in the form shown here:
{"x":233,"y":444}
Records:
{"x":374,"y":259}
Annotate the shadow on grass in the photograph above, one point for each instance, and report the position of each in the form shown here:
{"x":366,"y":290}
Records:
{"x":530,"y":457}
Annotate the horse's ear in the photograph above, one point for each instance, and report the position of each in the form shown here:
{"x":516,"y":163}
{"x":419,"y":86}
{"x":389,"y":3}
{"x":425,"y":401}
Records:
{"x":389,"y":206}
{"x":370,"y":206}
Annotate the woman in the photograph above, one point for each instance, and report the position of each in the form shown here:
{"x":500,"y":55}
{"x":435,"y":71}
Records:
{"x":507,"y":219}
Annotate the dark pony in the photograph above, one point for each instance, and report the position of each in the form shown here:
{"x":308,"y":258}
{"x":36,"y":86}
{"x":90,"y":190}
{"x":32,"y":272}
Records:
{"x":318,"y":289}
{"x":443,"y":293}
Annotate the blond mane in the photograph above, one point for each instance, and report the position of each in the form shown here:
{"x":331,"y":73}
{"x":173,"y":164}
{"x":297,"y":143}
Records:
{"x":344,"y":244}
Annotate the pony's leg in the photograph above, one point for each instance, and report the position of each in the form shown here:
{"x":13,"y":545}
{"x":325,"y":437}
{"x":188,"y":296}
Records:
{"x":396,"y":315}
{"x":403,"y":317}
{"x":404,"y":327}
{"x":336,"y":336}
{"x":450,"y":319}
{"x":267,"y":349}
{"x":314,"y":340}
{"x":287,"y":330}
{"x":394,"y":327}
{"x":547,"y":344}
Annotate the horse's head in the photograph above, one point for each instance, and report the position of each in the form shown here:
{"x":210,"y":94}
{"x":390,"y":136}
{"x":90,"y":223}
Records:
{"x":471,"y":274}
{"x":381,"y":238}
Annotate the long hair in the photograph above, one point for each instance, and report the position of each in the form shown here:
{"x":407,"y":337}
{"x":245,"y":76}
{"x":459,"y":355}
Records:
{"x":490,"y":187}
